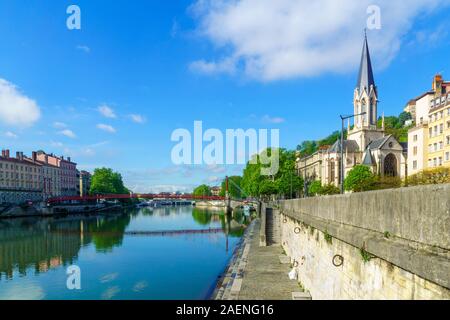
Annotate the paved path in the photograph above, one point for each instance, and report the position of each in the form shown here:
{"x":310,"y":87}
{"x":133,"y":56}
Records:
{"x":257,"y":273}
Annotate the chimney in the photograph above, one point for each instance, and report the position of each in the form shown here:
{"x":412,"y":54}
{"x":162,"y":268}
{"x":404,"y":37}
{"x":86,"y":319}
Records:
{"x":3,"y":153}
{"x":17,"y":155}
{"x":46,"y":159}
{"x":68,"y":159}
{"x":7,"y":153}
{"x":34,"y":156}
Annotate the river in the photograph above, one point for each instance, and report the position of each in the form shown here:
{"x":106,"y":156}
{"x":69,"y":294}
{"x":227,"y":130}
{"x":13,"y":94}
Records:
{"x":35,"y":254}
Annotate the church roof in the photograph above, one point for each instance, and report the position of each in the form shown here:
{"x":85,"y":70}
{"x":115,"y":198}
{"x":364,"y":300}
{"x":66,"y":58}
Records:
{"x":365,"y":78}
{"x":349,"y":146}
{"x":368,"y":159}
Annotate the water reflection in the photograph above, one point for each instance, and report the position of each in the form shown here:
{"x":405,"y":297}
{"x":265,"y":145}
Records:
{"x":36,"y":245}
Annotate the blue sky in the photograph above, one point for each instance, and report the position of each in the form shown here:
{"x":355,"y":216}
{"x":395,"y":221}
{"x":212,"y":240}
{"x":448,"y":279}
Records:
{"x":112,"y":93}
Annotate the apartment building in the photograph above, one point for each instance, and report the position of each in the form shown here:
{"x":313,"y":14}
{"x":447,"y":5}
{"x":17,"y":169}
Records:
{"x":429,"y":140}
{"x":68,"y":175}
{"x":20,"y":179}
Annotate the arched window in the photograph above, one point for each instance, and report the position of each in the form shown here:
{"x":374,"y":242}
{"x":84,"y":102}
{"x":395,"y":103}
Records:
{"x":390,"y":165}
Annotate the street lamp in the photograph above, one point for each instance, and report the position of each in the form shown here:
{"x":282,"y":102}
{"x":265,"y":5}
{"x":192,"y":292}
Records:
{"x":342,"y":173}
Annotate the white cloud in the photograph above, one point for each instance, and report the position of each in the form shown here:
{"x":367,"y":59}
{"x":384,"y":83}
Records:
{"x":59,"y":125}
{"x":106,"y":128}
{"x":11,"y":135}
{"x":84,"y":48}
{"x":16,"y":109}
{"x":106,"y":111}
{"x":68,"y":133}
{"x":272,"y":120}
{"x":137,"y":118}
{"x":227,"y":66}
{"x":271,"y":40}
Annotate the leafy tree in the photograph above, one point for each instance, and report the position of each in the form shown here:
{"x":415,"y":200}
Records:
{"x":360,"y":179}
{"x":268,"y":187}
{"x":314,"y":188}
{"x":287,"y":182}
{"x":403,"y":117}
{"x":106,"y":181}
{"x":234,"y":184}
{"x":202,"y":191}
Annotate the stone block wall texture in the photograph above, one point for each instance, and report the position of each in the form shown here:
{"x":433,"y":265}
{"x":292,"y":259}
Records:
{"x":412,"y":262}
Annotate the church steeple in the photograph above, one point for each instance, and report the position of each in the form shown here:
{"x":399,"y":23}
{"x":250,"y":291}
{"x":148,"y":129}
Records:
{"x":365,"y":78}
{"x":366,"y":93}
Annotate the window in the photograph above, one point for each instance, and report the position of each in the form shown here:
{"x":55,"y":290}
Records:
{"x":448,"y":140}
{"x":415,"y":151}
{"x":415,"y":137}
{"x":414,"y":165}
{"x":447,"y":156}
{"x":440,"y":161}
{"x":441,"y":128}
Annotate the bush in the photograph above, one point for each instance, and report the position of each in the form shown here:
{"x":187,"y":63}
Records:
{"x":360,"y":179}
{"x":382,"y":183}
{"x":314,"y":188}
{"x":430,"y":176}
{"x":329,"y":189}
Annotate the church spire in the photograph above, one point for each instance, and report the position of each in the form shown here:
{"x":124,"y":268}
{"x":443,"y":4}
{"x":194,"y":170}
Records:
{"x":365,"y":78}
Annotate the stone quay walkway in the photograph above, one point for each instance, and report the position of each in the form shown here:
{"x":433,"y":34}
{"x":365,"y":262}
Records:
{"x":258,"y":273}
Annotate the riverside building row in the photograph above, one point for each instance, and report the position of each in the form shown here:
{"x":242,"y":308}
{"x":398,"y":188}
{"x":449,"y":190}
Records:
{"x":39,"y":177}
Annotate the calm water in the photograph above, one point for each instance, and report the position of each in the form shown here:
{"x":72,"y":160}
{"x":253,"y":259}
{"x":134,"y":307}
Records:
{"x":35,"y":254}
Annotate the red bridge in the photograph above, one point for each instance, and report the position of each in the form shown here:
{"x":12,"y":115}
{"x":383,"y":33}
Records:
{"x":135,"y":196}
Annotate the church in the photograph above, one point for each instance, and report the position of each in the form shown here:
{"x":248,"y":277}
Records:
{"x":366,"y":143}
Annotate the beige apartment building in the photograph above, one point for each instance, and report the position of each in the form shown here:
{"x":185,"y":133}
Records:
{"x":20,"y":179}
{"x":429,"y":140}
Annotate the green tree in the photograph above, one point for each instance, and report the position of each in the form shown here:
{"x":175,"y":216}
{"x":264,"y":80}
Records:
{"x":106,"y":181}
{"x":267,"y":188}
{"x":403,"y":117}
{"x":234,"y":187}
{"x":202,"y":191}
{"x":360,"y":179}
{"x":314,"y":188}
{"x":287,"y":182}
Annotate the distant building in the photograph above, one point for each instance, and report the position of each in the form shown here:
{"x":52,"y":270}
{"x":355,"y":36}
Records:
{"x":51,"y":177}
{"x":429,"y":139}
{"x":20,"y":179}
{"x":215,"y":191}
{"x":69,"y":180}
{"x":366,"y":142}
{"x":85,"y":183}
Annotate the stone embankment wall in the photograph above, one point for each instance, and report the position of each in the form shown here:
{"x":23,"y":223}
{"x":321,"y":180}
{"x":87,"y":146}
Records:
{"x":391,"y":244}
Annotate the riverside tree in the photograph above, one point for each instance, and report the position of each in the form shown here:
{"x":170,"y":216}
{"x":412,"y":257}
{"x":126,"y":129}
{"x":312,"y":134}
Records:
{"x":106,"y":181}
{"x":202,"y":191}
{"x":284,"y":183}
{"x":234,"y":187}
{"x":360,"y":179}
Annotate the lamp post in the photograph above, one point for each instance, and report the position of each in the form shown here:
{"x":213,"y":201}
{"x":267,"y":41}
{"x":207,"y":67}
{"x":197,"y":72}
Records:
{"x":342,"y":173}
